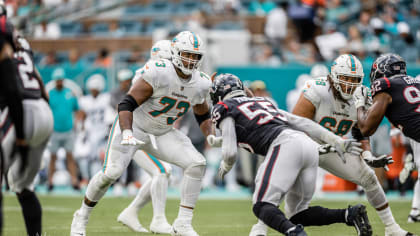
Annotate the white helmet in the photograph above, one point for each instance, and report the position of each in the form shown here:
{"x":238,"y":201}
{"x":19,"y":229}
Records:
{"x":161,"y":50}
{"x":319,"y":70}
{"x":187,"y":42}
{"x":96,"y":82}
{"x":349,"y":66}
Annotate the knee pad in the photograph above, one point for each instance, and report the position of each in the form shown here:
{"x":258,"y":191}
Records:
{"x":368,"y":179}
{"x":195,"y":171}
{"x":113,"y":172}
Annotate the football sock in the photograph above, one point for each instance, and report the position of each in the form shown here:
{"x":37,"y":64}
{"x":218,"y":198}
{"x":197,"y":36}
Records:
{"x":317,"y":215}
{"x":185,"y":214}
{"x":416,"y":196}
{"x":142,"y":197}
{"x":85,"y":210}
{"x":158,"y":192}
{"x":191,"y":185}
{"x":386,"y":216}
{"x":272,"y":216}
{"x":32,"y":213}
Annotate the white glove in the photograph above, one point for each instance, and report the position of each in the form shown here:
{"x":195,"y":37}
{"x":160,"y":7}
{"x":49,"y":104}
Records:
{"x":377,"y":162}
{"x":224,"y":168}
{"x":129,"y":139}
{"x":343,"y":146}
{"x":360,"y":96}
{"x":214,"y":141}
{"x":409,"y":166}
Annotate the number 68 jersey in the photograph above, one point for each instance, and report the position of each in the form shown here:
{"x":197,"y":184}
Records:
{"x":404,"y":110}
{"x":172,"y":96}
{"x":334,"y":114}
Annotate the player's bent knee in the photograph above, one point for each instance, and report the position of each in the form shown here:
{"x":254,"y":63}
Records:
{"x":368,"y":179}
{"x":113,"y":173}
{"x":196,"y":171}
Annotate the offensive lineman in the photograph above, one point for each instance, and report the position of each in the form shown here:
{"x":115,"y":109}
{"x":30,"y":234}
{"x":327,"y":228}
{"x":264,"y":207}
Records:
{"x":38,"y":123}
{"x":291,"y":156}
{"x":156,"y":187}
{"x":163,"y":93}
{"x":397,"y":97}
{"x":329,"y":101}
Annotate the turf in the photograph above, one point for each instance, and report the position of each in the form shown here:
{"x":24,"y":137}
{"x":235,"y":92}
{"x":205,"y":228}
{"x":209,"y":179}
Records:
{"x":212,"y":217}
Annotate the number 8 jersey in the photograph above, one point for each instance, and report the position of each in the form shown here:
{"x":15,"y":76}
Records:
{"x":172,"y":96}
{"x":404,"y":110}
{"x":334,"y":114}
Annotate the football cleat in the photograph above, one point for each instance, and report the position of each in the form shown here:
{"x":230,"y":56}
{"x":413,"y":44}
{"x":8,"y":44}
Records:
{"x":395,"y":230}
{"x":357,"y":216}
{"x":78,"y":225}
{"x":414,"y":219}
{"x":259,"y":229}
{"x":160,"y":225}
{"x":180,"y":228}
{"x":296,"y":231}
{"x":129,"y":218}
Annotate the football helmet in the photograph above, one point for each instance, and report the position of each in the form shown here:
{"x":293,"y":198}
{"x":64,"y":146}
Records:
{"x":387,"y":65}
{"x":226,"y":86}
{"x":346,"y":65}
{"x":187,"y":51}
{"x":161,"y":50}
{"x":96,"y":82}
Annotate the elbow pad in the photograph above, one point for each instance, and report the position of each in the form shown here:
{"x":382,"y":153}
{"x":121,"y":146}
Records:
{"x":127,"y":104}
{"x":357,"y":134}
{"x":201,"y":118}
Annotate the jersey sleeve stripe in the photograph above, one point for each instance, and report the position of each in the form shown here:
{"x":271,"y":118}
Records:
{"x":387,"y":82}
{"x":222,"y":103}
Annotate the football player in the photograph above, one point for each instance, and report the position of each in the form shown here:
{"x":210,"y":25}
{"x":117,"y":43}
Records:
{"x":38,"y":123}
{"x":291,"y":156}
{"x":154,"y":189}
{"x":397,"y":97}
{"x":164,"y":91}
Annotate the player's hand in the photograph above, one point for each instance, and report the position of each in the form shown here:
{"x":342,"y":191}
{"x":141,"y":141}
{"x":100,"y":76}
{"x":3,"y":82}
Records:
{"x":214,"y":141}
{"x":224,"y":168}
{"x":129,"y":139}
{"x":325,"y":148}
{"x":377,"y":162}
{"x":360,"y":96}
{"x":409,"y":166}
{"x":21,"y":148}
{"x":343,"y":146}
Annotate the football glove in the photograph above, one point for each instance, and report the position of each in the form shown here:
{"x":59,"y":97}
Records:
{"x":325,"y":148}
{"x":224,"y":168}
{"x":129,"y":139}
{"x":214,"y":141}
{"x":377,"y":162}
{"x":409,"y":166}
{"x":347,"y":145}
{"x":360,"y":96}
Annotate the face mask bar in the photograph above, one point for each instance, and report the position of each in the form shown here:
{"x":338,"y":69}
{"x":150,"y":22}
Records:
{"x":187,"y":63}
{"x":349,"y":87}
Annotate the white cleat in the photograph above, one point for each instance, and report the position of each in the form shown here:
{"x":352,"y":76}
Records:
{"x":180,"y":228}
{"x":414,"y":219}
{"x":395,"y":230}
{"x":160,"y":225}
{"x":78,"y":225}
{"x":129,"y":218}
{"x":258,"y":230}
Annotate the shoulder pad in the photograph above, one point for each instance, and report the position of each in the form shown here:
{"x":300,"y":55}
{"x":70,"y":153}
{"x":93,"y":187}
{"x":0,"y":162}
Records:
{"x":380,"y":85}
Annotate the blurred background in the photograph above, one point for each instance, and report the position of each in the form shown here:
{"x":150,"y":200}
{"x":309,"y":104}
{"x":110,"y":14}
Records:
{"x":272,"y":45}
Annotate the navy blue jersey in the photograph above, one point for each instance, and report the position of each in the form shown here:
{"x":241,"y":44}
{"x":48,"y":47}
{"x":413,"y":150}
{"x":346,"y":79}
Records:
{"x":257,"y":121}
{"x":404,"y":111}
{"x":27,"y":77}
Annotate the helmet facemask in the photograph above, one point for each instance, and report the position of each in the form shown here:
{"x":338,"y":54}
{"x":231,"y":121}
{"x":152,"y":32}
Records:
{"x":187,"y":61}
{"x":346,"y":85}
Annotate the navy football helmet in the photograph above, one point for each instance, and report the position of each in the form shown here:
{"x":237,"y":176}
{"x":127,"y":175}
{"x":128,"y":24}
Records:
{"x":387,"y":65}
{"x":226,"y":86}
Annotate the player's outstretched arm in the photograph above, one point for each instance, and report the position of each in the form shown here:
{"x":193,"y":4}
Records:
{"x":229,"y":147}
{"x":368,"y":120}
{"x":137,"y":95}
{"x":203,"y":117}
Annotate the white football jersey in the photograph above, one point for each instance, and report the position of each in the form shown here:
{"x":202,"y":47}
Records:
{"x":98,"y":112}
{"x":334,"y":114}
{"x":172,"y":96}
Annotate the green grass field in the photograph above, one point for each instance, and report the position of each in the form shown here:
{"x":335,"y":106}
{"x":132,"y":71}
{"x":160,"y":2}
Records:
{"x":212,"y":217}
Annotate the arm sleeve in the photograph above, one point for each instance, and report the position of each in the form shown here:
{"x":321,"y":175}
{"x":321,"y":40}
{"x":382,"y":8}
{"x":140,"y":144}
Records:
{"x":10,"y":90}
{"x":229,"y":147}
{"x":311,"y":128}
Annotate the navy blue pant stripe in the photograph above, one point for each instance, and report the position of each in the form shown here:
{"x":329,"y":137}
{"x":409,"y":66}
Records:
{"x":267,"y":173}
{"x":5,"y":127}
